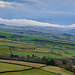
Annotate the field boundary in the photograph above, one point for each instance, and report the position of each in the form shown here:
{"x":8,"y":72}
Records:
{"x":17,"y":70}
{"x":28,"y":64}
{"x":7,"y":61}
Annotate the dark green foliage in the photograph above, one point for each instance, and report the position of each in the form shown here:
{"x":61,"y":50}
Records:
{"x":13,"y":56}
{"x":51,"y":62}
{"x":28,"y":56}
{"x":64,"y":62}
{"x":33,"y":55}
{"x":44,"y":59}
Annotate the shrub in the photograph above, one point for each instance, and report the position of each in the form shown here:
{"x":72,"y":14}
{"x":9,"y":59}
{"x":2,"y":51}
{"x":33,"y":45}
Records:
{"x":51,"y":62}
{"x":64,"y":62}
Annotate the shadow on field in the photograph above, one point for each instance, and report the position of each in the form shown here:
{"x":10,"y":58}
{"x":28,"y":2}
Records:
{"x":17,"y":70}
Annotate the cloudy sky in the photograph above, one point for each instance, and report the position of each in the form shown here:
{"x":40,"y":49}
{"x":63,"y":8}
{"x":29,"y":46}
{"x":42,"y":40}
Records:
{"x":56,"y":13}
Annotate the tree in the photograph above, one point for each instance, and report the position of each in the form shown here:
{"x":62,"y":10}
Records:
{"x":64,"y":62}
{"x":43,"y":60}
{"x":33,"y":55}
{"x":28,"y":56}
{"x":51,"y":62}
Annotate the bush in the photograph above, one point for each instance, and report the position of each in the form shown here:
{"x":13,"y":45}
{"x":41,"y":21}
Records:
{"x":33,"y":56}
{"x":51,"y":62}
{"x":44,"y":60}
{"x":28,"y":56}
{"x":64,"y":62}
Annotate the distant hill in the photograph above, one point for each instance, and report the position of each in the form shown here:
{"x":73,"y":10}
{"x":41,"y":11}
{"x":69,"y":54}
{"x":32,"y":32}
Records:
{"x":40,"y":29}
{"x":2,"y":25}
{"x":72,"y":32}
{"x":45,"y":29}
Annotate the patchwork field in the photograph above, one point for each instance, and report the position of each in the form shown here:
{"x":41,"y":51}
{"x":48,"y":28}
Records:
{"x":24,"y":49}
{"x":9,"y":67}
{"x":16,"y":68}
{"x":27,"y":47}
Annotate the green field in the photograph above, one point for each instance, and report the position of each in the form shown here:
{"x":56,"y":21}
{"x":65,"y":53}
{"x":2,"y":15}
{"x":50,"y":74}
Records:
{"x":33,"y":32}
{"x":11,"y":67}
{"x":15,"y":68}
{"x":40,"y":47}
{"x":5,"y":67}
{"x":57,"y":70}
{"x":30,"y":72}
{"x":24,"y":49}
{"x":38,"y":55}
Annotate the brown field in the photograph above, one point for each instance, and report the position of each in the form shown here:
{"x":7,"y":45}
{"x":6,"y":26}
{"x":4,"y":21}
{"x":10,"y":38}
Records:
{"x":35,"y":65}
{"x":57,"y":70}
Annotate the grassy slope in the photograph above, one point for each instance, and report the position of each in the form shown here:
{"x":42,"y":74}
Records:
{"x":30,"y":72}
{"x":34,"y":33}
{"x":29,"y":48}
{"x":11,"y":67}
{"x":65,"y":48}
{"x":57,"y":70}
{"x":36,"y":65}
{"x":38,"y":54}
{"x":47,"y":70}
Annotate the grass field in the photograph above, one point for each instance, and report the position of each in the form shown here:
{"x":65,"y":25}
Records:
{"x":23,"y":63}
{"x":38,"y":55}
{"x":24,"y":49}
{"x":57,"y":70}
{"x":30,"y":72}
{"x":21,"y":70}
{"x":19,"y":45}
{"x":10,"y":65}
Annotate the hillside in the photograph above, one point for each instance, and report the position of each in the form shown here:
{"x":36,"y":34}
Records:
{"x":28,"y":45}
{"x":40,"y":34}
{"x":25,"y":68}
{"x":34,"y":49}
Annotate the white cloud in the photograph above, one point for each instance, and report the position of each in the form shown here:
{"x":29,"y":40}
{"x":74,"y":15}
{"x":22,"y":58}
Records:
{"x":25,"y":22}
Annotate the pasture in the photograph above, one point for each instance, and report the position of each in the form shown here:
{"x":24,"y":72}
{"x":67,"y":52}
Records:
{"x":30,"y":72}
{"x":57,"y":70}
{"x":24,"y":49}
{"x":10,"y":67}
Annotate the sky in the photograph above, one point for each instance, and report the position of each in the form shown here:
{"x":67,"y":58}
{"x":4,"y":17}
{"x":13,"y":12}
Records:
{"x":55,"y":13}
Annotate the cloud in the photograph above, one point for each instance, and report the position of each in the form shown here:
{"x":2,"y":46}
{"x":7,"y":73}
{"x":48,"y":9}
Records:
{"x":23,"y":1}
{"x":8,"y":4}
{"x":50,"y":11}
{"x":25,"y":22}
{"x":2,"y":3}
